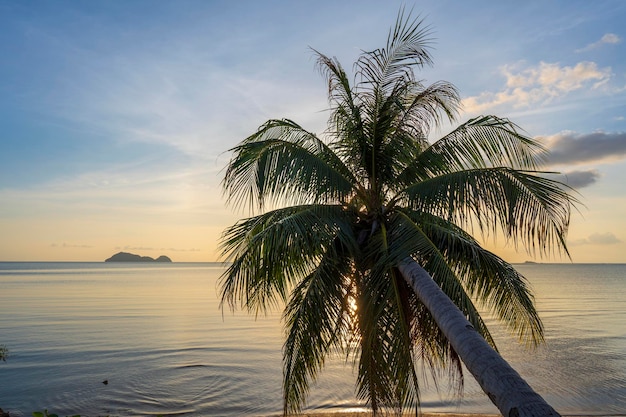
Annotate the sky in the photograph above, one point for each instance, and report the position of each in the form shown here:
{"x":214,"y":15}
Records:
{"x":117,"y":116}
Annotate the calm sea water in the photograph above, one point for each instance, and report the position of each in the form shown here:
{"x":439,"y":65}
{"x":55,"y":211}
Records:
{"x":157,"y":335}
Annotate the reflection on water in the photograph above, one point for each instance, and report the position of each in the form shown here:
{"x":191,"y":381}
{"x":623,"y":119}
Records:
{"x":157,"y":335}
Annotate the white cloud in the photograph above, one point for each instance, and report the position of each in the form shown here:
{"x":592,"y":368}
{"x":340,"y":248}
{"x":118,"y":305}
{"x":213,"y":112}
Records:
{"x":539,"y":85}
{"x":608,"y":38}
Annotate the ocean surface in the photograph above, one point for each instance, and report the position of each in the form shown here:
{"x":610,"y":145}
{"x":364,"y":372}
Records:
{"x":157,"y":335}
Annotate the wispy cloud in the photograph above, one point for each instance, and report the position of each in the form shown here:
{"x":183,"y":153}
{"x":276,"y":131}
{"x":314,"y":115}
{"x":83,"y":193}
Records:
{"x":607,"y":238}
{"x":197,"y":95}
{"x":150,"y":249}
{"x":540,"y":84}
{"x":607,"y":39}
{"x":132,"y":192}
{"x":70,"y":246}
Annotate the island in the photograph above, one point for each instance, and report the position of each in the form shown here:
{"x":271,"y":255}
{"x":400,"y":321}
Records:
{"x":131,"y":257}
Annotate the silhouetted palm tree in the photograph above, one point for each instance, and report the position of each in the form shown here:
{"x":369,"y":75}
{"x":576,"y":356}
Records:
{"x":354,"y":213}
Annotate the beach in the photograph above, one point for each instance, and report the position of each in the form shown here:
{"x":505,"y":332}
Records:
{"x":365,"y":414}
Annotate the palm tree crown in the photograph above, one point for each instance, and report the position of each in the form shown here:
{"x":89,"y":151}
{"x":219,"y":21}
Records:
{"x":347,"y":208}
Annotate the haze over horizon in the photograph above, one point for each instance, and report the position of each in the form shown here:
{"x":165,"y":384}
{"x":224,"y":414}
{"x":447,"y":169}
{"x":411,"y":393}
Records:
{"x":117,"y":116}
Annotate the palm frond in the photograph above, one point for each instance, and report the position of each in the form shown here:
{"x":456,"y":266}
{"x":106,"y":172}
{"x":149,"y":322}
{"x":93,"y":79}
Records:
{"x":397,"y":330}
{"x":387,"y":376}
{"x":406,"y":136}
{"x":317,"y":318}
{"x":487,"y":141}
{"x":408,"y":239}
{"x":430,"y":346}
{"x":347,"y":121}
{"x":339,"y":88}
{"x":426,"y":105}
{"x":270,"y":251}
{"x":526,"y":207}
{"x":407,"y":46}
{"x":488,"y":278}
{"x":285,"y":163}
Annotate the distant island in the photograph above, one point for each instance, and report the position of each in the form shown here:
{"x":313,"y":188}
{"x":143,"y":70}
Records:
{"x":131,"y":257}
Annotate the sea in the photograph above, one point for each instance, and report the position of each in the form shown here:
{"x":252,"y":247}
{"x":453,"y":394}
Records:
{"x":146,"y":339}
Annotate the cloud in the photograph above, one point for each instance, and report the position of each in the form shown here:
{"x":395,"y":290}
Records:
{"x":581,"y":179}
{"x":574,"y":148}
{"x":539,"y":84}
{"x":198,"y":95}
{"x":608,"y":38}
{"x":607,"y":238}
{"x":151,"y":249}
{"x":611,"y":38}
{"x":70,"y":246}
{"x":181,"y":250}
{"x":134,"y":248}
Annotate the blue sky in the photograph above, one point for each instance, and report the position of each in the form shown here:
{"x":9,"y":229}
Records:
{"x":117,"y":115}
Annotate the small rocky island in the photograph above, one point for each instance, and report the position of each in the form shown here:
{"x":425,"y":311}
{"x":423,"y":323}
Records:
{"x":131,"y":257}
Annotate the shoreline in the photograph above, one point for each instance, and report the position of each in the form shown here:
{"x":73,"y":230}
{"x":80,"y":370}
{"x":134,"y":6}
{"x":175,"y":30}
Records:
{"x":369,"y":414}
{"x":431,"y":414}
{"x":6,"y":413}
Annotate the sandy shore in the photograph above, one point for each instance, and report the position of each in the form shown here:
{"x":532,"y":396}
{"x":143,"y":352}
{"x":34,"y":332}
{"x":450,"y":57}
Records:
{"x":366,"y":414}
{"x":369,"y":414}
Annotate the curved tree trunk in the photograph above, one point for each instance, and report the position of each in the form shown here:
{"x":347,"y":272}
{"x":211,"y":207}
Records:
{"x":504,"y":386}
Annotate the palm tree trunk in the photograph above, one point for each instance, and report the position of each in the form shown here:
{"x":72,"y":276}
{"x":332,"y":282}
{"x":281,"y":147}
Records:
{"x":502,"y":384}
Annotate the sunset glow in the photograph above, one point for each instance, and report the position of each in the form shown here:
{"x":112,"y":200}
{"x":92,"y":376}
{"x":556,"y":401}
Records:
{"x":118,"y":116}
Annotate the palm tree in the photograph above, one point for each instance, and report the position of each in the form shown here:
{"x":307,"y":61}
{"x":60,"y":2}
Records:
{"x":349,"y":221}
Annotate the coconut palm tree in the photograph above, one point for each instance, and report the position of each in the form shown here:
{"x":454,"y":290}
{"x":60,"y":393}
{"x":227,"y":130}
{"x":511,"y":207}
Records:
{"x":349,"y":222}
